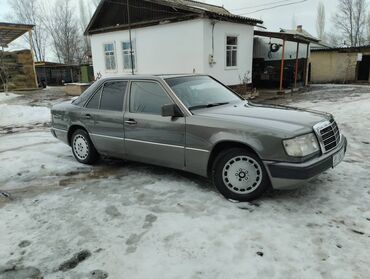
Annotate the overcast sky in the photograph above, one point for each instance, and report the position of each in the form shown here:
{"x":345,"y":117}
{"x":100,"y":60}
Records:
{"x":280,"y":17}
{"x":274,"y":19}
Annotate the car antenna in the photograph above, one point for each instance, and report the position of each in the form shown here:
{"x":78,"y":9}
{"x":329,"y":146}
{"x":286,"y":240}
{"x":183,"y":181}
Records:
{"x":129,"y":32}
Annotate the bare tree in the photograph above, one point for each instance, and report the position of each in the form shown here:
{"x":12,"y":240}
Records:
{"x":360,"y":7}
{"x":65,"y":31}
{"x":350,"y":19}
{"x":29,"y":12}
{"x":320,"y":21}
{"x":368,"y":28}
{"x":334,"y":39}
{"x":85,"y":15}
{"x":294,"y":22}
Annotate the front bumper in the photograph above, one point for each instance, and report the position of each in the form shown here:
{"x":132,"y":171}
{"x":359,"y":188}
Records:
{"x":290,"y":175}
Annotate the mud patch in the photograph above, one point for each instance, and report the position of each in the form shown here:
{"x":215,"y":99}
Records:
{"x":26,"y":146}
{"x":24,"y":243}
{"x":20,"y":272}
{"x":112,"y":211}
{"x":5,"y":195}
{"x":132,"y":242}
{"x":98,"y":274}
{"x":358,"y":232}
{"x":75,"y":260}
{"x":149,"y":220}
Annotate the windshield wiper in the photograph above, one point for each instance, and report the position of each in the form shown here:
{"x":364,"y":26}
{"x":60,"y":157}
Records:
{"x":208,"y":105}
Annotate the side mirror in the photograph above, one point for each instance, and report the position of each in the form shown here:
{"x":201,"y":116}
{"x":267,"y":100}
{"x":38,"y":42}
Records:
{"x":171,"y":110}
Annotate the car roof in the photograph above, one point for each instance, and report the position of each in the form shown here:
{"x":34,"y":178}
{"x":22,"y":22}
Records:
{"x":149,"y":77}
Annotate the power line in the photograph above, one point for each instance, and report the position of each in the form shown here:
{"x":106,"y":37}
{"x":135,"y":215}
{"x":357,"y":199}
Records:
{"x":261,"y":5}
{"x":274,"y":7}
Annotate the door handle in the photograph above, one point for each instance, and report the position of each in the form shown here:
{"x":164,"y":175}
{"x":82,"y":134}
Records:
{"x":88,"y":116}
{"x":131,"y":122}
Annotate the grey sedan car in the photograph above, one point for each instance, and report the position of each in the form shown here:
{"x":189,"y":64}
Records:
{"x":196,"y":124}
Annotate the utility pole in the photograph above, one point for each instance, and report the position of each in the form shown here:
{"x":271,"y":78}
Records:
{"x":129,"y":32}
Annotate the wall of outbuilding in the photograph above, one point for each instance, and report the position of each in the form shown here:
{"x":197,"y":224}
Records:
{"x":333,"y":67}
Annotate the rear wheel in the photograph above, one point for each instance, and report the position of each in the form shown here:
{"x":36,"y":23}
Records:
{"x":83,"y":148}
{"x":240,"y":175}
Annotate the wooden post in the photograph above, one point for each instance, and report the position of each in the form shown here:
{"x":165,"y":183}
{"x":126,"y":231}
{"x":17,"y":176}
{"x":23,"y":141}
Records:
{"x":307,"y":64}
{"x":296,"y":67}
{"x":282,"y":68}
{"x":71,"y":71}
{"x":5,"y":80}
{"x":33,"y":57}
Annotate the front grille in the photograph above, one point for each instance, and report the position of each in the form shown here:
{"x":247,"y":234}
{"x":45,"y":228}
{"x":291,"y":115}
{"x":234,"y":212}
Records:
{"x":330,"y":136}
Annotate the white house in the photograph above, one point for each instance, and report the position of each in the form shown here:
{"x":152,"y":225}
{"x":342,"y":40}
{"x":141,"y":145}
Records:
{"x":171,"y":37}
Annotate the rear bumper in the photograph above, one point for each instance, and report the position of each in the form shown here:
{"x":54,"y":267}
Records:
{"x":290,"y":175}
{"x":60,"y":134}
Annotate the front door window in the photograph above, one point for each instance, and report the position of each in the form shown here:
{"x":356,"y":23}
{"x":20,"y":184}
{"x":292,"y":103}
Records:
{"x":147,"y":97}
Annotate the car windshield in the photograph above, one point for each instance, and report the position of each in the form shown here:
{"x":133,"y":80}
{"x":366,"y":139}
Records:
{"x":198,"y":92}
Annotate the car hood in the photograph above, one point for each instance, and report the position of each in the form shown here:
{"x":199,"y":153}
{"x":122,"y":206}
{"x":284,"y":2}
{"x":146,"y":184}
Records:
{"x":271,"y":113}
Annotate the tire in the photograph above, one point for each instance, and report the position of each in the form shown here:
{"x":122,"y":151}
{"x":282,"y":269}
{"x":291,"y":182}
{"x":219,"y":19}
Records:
{"x":83,"y":148}
{"x":240,"y":175}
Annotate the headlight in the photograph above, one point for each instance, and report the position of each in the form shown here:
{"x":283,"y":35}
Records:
{"x":301,"y":146}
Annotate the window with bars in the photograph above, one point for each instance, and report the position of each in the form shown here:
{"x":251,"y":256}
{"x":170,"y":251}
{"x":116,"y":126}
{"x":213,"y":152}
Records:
{"x":110,"y":57}
{"x":231,"y":51}
{"x":127,"y":62}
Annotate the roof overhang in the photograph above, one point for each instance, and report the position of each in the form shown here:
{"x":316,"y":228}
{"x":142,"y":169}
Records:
{"x":11,"y":31}
{"x":364,"y":48}
{"x":286,"y":36}
{"x":193,"y":11}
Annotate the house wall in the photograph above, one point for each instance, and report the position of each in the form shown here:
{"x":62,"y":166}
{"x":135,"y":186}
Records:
{"x":333,"y":66}
{"x":179,"y":48}
{"x":230,"y":76}
{"x":162,"y":49}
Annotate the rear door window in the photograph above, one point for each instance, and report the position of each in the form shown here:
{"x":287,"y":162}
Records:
{"x":94,"y":101}
{"x":112,"y":95}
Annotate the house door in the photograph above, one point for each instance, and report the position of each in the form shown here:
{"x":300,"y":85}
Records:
{"x":364,"y":68}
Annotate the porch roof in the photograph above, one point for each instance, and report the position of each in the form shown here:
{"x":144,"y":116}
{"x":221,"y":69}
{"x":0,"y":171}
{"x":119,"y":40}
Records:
{"x":11,"y":31}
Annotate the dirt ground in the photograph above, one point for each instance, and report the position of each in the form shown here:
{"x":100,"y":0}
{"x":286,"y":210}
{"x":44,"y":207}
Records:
{"x":61,"y":219}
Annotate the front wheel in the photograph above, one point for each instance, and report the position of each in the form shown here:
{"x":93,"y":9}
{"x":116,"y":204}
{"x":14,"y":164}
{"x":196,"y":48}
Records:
{"x":240,"y":175}
{"x":83,"y":148}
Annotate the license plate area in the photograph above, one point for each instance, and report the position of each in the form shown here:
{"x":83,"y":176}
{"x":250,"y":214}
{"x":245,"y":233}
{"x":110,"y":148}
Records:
{"x":338,"y":157}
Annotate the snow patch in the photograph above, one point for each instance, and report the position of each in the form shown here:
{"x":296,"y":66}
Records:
{"x":17,"y":115}
{"x":7,"y":96}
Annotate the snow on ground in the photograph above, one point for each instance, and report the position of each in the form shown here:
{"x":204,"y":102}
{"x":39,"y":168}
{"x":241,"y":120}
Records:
{"x":353,"y":117}
{"x":7,"y":96}
{"x":17,"y":115}
{"x":38,"y":157}
{"x":130,"y":220}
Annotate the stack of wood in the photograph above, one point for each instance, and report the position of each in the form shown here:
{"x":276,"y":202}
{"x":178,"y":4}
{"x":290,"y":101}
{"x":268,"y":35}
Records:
{"x":19,"y":67}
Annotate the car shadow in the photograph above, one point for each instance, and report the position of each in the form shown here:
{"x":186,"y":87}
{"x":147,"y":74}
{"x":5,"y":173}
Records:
{"x":203,"y":182}
{"x":114,"y":165}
